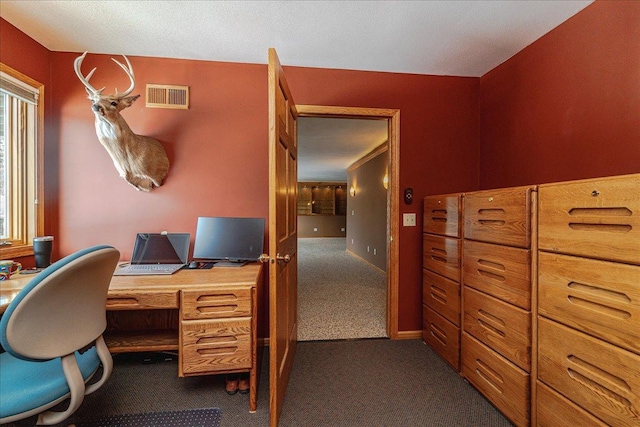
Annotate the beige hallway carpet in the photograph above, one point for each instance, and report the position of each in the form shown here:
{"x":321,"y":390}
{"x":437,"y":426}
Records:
{"x":340,"y":296}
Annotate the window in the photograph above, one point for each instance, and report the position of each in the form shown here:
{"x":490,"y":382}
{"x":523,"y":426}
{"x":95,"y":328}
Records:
{"x":21,"y":118}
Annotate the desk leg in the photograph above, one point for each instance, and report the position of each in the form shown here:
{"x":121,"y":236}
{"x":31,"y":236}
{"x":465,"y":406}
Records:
{"x":255,"y":362}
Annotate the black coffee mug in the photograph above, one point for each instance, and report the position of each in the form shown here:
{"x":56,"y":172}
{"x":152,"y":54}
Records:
{"x":42,"y":247}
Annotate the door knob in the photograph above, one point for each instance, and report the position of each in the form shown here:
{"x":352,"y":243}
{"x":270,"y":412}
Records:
{"x":286,"y":258}
{"x":265,"y":258}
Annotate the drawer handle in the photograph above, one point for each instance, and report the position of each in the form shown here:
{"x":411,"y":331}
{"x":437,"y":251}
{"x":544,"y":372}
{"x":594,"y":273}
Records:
{"x":605,"y":228}
{"x":490,"y":318}
{"x":601,"y":292}
{"x":491,"y":264}
{"x":439,"y":215}
{"x":600,"y":308}
{"x":219,"y":297}
{"x":497,"y":222}
{"x":490,"y":275}
{"x":438,"y":251}
{"x":438,"y":259}
{"x":218,"y":351}
{"x":622,"y":211}
{"x":438,"y":334}
{"x":589,"y":378}
{"x":494,"y":379}
{"x":438,"y":294}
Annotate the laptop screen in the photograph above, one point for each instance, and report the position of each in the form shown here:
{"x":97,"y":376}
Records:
{"x":161,"y":248}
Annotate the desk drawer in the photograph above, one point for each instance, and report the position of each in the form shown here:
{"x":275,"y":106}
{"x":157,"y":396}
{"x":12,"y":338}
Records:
{"x":500,"y":326}
{"x":442,"y":295}
{"x":441,"y":255}
{"x":215,"y":345}
{"x":441,"y":335}
{"x":598,"y":218}
{"x":554,"y":410}
{"x":503,"y":383}
{"x":123,"y":300}
{"x":499,"y":271}
{"x":600,"y":298}
{"x":441,"y":215}
{"x":216,"y":304}
{"x":594,"y":374}
{"x":499,"y":216}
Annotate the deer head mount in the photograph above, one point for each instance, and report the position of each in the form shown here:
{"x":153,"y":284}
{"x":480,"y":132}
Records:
{"x":140,"y":160}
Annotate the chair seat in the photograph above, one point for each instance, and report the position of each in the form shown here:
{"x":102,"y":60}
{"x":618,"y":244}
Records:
{"x":25,"y":385}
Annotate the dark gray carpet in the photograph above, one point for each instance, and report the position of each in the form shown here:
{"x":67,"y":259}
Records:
{"x":188,"y":418}
{"x":374,"y":382}
{"x":340,"y":296}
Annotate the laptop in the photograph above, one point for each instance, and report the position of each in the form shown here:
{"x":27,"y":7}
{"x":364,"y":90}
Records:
{"x":157,"y":253}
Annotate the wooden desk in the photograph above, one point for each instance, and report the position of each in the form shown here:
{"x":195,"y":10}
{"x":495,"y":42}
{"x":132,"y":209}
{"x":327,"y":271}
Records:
{"x":209,"y":317}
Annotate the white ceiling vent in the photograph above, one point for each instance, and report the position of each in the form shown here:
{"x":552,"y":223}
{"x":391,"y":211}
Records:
{"x":168,"y":96}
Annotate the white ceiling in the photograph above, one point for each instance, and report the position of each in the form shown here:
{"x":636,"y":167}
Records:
{"x":456,"y":38}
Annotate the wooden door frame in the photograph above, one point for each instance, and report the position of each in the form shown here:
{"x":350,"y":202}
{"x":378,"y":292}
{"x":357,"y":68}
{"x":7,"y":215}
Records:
{"x":393,"y":198}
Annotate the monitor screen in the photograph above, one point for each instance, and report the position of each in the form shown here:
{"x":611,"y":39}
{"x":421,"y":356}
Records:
{"x":232,"y":239}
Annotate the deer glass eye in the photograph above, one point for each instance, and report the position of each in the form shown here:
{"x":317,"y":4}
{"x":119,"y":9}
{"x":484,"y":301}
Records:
{"x":114,"y":103}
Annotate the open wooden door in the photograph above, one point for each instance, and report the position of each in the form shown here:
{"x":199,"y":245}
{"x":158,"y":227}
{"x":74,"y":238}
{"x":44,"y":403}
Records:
{"x":283,"y":238}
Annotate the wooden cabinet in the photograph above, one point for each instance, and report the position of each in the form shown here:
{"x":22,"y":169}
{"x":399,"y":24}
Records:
{"x":496,"y":297}
{"x":209,"y":317}
{"x":589,"y":302}
{"x":441,"y":272}
{"x":215,"y":331}
{"x":318,"y":198}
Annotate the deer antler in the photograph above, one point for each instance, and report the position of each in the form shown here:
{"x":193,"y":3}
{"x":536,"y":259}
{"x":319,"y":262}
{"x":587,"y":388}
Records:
{"x":85,"y":80}
{"x":129,"y":70}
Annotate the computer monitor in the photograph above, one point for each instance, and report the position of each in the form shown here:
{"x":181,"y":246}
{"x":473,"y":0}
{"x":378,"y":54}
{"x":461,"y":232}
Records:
{"x":229,"y":241}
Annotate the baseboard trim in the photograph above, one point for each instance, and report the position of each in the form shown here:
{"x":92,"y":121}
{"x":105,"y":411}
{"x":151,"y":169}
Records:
{"x":409,"y":335}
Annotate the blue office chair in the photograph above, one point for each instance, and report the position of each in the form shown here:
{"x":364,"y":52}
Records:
{"x":52,"y":334}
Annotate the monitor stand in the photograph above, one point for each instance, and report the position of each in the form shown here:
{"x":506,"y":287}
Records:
{"x":228,"y":263}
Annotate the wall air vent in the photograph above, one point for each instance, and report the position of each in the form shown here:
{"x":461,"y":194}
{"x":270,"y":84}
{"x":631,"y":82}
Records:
{"x":167,"y":96}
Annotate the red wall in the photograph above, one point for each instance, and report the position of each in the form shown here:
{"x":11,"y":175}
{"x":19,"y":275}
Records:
{"x":217,"y":149}
{"x":568,"y":106}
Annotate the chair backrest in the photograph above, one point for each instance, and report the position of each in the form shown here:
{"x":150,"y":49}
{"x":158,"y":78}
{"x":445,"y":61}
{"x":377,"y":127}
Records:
{"x":63,"y":308}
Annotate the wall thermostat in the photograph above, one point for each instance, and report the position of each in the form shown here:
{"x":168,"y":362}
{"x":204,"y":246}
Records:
{"x":408,"y":195}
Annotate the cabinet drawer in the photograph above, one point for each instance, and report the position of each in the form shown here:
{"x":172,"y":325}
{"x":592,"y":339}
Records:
{"x":216,"y":304}
{"x":442,"y":295}
{"x":597,"y":376}
{"x":598,"y":218}
{"x":442,"y":336}
{"x":499,"y":216}
{"x":441,"y":255}
{"x":554,"y":410}
{"x":441,"y":215}
{"x":500,"y":271}
{"x":600,"y":298}
{"x":501,"y":326}
{"x":123,"y":300}
{"x":503,"y":383}
{"x":215,"y":345}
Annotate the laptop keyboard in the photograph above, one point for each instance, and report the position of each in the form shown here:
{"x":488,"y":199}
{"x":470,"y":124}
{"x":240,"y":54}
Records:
{"x":152,"y":267}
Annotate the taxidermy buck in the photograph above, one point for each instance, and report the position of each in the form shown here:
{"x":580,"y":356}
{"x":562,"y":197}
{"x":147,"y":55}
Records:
{"x":140,"y":160}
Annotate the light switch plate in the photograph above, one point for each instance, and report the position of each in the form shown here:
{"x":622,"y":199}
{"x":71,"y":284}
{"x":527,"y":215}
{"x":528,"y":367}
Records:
{"x":409,"y":220}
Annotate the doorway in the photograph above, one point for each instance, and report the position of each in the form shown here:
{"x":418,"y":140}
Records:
{"x":392,"y":118}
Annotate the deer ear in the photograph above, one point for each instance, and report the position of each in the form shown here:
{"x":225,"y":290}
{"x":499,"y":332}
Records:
{"x":128,"y":100}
